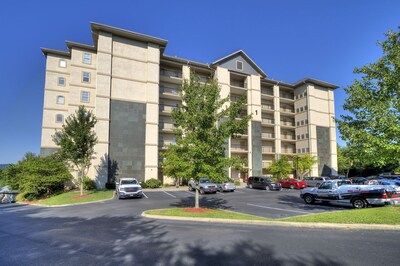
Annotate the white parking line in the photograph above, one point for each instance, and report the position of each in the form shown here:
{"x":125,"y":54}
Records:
{"x":145,"y":195}
{"x":169,"y":194}
{"x":265,"y":207}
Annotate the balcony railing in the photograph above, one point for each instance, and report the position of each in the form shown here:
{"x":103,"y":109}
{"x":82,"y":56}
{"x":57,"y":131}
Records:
{"x":267,"y":107}
{"x":238,"y":83}
{"x":267,"y":92}
{"x":284,"y":95}
{"x":266,"y":164}
{"x":167,"y":108}
{"x":170,"y":73}
{"x":267,"y":121}
{"x":267,"y":149}
{"x":239,"y":147}
{"x":166,"y":126}
{"x":204,"y":79}
{"x":268,"y":135}
{"x":287,"y":123}
{"x":170,"y":90}
{"x":288,"y":151}
{"x":288,"y":110}
{"x":288,"y":137}
{"x":164,"y":144}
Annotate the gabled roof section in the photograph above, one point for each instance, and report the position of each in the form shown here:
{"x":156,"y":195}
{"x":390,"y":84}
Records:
{"x":47,"y":51}
{"x":242,"y":54}
{"x":97,"y":27}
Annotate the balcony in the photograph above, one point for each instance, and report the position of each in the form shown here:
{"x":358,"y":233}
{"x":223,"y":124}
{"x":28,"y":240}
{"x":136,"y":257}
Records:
{"x":286,"y":96}
{"x":166,"y":127}
{"x":287,"y":123}
{"x":287,"y":109}
{"x":267,"y":91}
{"x":267,"y":107}
{"x":238,"y":83}
{"x":204,"y":79}
{"x":288,"y":137}
{"x":267,"y":149}
{"x":267,"y":135}
{"x":239,"y":147}
{"x":267,"y":121}
{"x":171,"y":75}
{"x":164,"y":144}
{"x":288,"y":151}
{"x":266,"y":164}
{"x":167,"y":109}
{"x":169,"y":92}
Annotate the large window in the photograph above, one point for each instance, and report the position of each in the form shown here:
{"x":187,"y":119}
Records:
{"x":60,"y":99}
{"x":87,"y":58}
{"x":86,"y":77}
{"x":85,"y":96}
{"x":59,"y":118}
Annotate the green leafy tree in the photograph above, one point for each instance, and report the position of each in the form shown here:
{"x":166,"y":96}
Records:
{"x":204,"y":124}
{"x":373,"y":126}
{"x":303,"y":164}
{"x":345,"y":161}
{"x":280,"y":168}
{"x":77,"y":140}
{"x":36,"y":177}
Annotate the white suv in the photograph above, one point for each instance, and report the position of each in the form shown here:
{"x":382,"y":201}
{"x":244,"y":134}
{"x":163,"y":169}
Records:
{"x":128,"y":188}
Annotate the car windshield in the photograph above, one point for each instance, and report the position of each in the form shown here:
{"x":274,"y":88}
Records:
{"x":344,"y":182}
{"x":129,"y":182}
{"x":204,"y":181}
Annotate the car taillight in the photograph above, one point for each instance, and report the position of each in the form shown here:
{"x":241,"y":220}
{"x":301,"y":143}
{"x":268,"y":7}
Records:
{"x":384,"y":196}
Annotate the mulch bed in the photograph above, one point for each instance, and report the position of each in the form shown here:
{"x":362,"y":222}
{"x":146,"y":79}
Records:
{"x":198,"y":210}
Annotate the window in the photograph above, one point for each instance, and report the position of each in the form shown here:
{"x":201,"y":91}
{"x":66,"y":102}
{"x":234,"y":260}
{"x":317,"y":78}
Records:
{"x":302,"y":122}
{"x":302,"y":136}
{"x":87,"y":58}
{"x":305,"y":107}
{"x":308,"y":149}
{"x":298,"y":136}
{"x":239,"y":65}
{"x":303,"y":150}
{"x":307,"y":135}
{"x":297,"y":110}
{"x":306,"y":121}
{"x":86,"y":77}
{"x":61,"y":81}
{"x":298,"y":123}
{"x":60,"y":99}
{"x":301,"y":109}
{"x":62,"y":63}
{"x":298,"y":150}
{"x":59,"y":118}
{"x":85,"y":96}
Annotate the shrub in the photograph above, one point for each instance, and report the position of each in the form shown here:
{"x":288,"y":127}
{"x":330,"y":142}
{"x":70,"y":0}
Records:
{"x":237,"y":183}
{"x":153,"y":183}
{"x":110,"y":185}
{"x":37,"y":177}
{"x":89,"y":184}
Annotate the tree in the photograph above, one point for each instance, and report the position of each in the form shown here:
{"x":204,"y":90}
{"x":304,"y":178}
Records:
{"x":373,"y":125}
{"x":204,"y":122}
{"x":77,"y":140}
{"x":280,"y":168}
{"x":345,"y":162}
{"x":303,"y":164}
{"x":36,"y":177}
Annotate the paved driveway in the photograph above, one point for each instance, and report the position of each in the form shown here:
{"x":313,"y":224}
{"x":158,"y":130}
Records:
{"x":265,"y":203}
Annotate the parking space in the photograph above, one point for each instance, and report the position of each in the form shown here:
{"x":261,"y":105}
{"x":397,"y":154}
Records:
{"x":265,"y":203}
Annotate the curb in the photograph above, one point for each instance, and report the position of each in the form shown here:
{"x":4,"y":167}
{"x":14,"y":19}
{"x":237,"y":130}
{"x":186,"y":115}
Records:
{"x":281,"y":224}
{"x":66,"y":205}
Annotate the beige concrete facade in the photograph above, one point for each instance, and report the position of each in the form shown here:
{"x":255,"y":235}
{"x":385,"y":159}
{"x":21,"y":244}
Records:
{"x":124,"y":67}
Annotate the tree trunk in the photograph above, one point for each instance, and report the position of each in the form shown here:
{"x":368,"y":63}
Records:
{"x":196,"y":200}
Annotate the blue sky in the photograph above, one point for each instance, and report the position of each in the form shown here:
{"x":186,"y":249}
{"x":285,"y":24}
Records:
{"x":289,"y":40}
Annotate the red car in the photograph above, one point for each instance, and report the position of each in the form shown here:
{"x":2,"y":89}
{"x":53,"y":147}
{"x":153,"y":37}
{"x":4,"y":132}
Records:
{"x":293,"y":183}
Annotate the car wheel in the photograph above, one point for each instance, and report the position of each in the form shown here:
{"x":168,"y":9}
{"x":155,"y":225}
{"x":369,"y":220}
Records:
{"x":359,"y":203}
{"x":201,"y":191}
{"x":309,"y":199}
{"x":291,"y":186}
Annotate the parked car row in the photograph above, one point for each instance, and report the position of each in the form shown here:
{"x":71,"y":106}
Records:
{"x":206,"y":186}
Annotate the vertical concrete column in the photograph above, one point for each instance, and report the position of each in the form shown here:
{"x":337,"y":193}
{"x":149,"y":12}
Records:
{"x":312,"y":128}
{"x":222,"y":76}
{"x":152,"y":111}
{"x":254,"y":141}
{"x":277,"y":118}
{"x":99,"y":167}
{"x":332,"y":133}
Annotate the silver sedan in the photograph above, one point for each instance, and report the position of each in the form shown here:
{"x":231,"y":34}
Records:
{"x":226,"y":186}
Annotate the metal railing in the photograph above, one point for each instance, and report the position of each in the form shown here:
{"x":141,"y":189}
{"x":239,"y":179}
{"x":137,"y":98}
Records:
{"x":267,"y":92}
{"x":267,"y":121}
{"x":287,"y":123}
{"x":267,"y":149}
{"x":239,"y":147}
{"x":170,"y":73}
{"x":170,"y":90}
{"x":268,"y":135}
{"x":166,"y":126}
{"x":238,"y":83}
{"x":286,"y":95}
{"x":267,"y":107}
{"x":289,"y":137}
{"x":167,"y":108}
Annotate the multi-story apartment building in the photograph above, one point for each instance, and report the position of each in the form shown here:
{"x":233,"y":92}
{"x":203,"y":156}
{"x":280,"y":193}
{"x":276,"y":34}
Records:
{"x":132,"y":86}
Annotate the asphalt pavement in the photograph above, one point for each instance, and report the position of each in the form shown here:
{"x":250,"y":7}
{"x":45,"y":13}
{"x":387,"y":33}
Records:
{"x":113,"y":233}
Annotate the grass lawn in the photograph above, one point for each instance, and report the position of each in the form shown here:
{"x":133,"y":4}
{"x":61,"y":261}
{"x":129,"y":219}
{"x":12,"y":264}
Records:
{"x":205,"y":213}
{"x":74,"y":197}
{"x":377,"y":215}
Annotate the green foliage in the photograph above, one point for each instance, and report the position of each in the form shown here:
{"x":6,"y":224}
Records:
{"x":89,"y":184}
{"x":204,"y":124}
{"x":345,"y":161}
{"x":303,"y":164}
{"x":280,"y":168}
{"x":237,"y":183}
{"x":37,"y":177}
{"x":77,"y":140}
{"x":153,"y":183}
{"x":373,"y":126}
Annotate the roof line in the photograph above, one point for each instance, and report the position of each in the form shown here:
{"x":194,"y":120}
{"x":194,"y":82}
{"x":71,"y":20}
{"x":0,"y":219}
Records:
{"x":46,"y":51}
{"x":71,"y":44}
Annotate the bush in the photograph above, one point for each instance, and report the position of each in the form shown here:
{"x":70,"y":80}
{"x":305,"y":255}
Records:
{"x":237,"y":183}
{"x":37,"y":177}
{"x":110,"y":185}
{"x":89,"y":184}
{"x":153,"y":183}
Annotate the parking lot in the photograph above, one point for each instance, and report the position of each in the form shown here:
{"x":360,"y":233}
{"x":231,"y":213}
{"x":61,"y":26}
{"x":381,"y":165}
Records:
{"x":265,"y":203}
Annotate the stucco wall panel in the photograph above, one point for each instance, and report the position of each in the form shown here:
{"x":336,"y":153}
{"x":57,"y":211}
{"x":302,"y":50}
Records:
{"x":128,"y":89}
